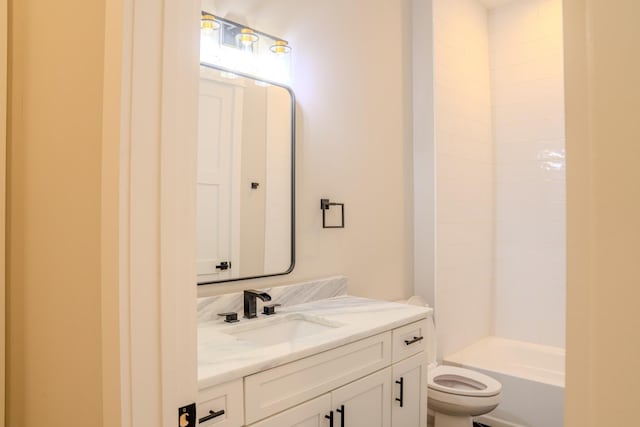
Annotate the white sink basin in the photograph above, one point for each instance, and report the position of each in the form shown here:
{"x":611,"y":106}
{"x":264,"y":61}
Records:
{"x":285,"y":328}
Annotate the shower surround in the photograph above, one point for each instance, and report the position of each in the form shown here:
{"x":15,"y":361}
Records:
{"x":500,"y":190}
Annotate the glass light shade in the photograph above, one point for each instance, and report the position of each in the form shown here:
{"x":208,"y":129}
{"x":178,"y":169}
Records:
{"x":281,"y":47}
{"x":247,"y":39}
{"x":209,"y":22}
{"x":280,"y":62}
{"x":209,"y":39}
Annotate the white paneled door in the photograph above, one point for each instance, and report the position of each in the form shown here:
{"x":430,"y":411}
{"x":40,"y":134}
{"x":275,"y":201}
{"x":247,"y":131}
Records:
{"x":409,"y":400}
{"x":219,"y":129}
{"x":366,"y":402}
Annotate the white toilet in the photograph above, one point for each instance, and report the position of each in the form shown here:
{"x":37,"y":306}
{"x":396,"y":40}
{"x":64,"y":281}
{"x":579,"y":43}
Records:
{"x":456,"y":395}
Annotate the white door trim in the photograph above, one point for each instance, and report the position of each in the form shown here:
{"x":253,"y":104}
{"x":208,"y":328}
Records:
{"x":178,"y":326}
{"x":150,"y":318}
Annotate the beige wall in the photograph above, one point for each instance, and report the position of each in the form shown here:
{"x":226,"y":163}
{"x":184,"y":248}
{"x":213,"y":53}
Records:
{"x":3,"y":183}
{"x":351,"y":68}
{"x":603,"y":103}
{"x":54,"y":336}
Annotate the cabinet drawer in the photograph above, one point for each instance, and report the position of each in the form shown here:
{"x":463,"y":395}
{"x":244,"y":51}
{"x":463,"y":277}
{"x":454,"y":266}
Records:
{"x":308,"y":414}
{"x":227,"y":397}
{"x":282,"y":387}
{"x":409,"y":340}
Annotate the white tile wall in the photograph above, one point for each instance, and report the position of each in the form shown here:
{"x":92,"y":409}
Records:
{"x":500,"y":185}
{"x":525,"y":45}
{"x":464,"y":175}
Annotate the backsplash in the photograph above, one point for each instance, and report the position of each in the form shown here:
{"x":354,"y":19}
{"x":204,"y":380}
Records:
{"x":209,"y":307}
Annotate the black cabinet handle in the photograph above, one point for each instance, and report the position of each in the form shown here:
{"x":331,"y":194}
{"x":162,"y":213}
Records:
{"x":224,"y":265}
{"x":341,"y":412}
{"x":414,"y":340}
{"x":401,"y":398}
{"x":330,"y":418}
{"x":211,"y":416}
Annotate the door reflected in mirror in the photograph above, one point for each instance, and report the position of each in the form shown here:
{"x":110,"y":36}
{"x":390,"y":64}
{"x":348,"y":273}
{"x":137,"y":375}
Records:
{"x":245,"y":179}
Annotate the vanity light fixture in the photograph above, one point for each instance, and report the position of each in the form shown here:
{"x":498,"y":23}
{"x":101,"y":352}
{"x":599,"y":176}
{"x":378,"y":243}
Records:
{"x":235,"y":47}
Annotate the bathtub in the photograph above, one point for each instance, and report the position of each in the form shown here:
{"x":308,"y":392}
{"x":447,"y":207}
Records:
{"x":532,"y":378}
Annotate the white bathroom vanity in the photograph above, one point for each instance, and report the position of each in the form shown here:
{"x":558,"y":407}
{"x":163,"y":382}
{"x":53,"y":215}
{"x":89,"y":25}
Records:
{"x":341,"y":361}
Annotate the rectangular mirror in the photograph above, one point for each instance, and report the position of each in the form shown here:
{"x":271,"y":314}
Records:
{"x":245,"y":183}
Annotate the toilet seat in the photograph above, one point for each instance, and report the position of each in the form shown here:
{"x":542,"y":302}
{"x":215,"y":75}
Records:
{"x":462,"y":382}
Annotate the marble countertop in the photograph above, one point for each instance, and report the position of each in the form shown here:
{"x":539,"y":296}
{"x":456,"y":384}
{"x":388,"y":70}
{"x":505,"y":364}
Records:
{"x":223,"y":357}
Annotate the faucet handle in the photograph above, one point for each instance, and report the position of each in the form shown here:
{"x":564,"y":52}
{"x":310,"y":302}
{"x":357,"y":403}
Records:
{"x":270,"y":309}
{"x":231,"y":317}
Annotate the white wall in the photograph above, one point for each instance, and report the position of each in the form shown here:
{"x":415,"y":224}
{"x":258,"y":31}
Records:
{"x":525,"y":44}
{"x":423,"y":155}
{"x":352,"y":79}
{"x":464,"y":175}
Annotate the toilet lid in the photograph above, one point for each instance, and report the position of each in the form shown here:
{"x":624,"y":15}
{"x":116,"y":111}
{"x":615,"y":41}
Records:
{"x":463,"y":382}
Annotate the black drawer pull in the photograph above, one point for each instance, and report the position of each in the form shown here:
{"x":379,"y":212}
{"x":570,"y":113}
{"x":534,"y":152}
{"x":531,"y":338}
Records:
{"x":414,"y":340}
{"x":211,"y":416}
{"x":330,"y":418}
{"x":341,"y":412}
{"x":401,"y":398}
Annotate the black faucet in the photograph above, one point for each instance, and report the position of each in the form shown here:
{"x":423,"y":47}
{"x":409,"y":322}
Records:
{"x":250,"y":296}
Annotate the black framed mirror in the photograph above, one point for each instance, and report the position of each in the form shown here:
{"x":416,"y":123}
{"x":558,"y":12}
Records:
{"x":246,"y":177}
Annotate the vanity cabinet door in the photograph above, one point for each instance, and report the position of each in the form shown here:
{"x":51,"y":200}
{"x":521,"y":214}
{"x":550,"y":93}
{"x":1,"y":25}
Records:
{"x":409,"y":400}
{"x":364,"y":403}
{"x":308,"y":414}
